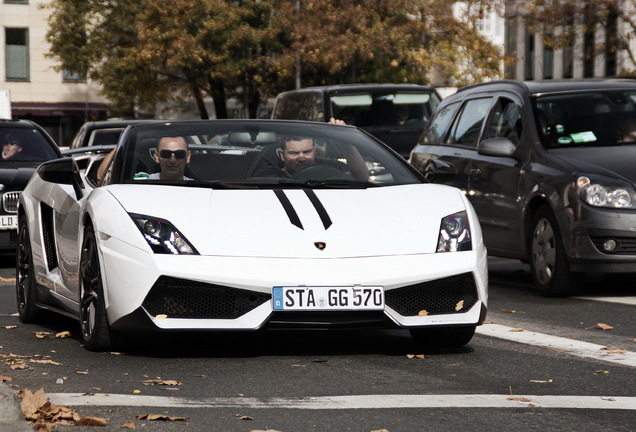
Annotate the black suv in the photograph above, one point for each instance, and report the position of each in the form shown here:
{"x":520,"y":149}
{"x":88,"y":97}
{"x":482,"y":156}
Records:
{"x":550,"y":168}
{"x":24,"y":145}
{"x":393,"y":113}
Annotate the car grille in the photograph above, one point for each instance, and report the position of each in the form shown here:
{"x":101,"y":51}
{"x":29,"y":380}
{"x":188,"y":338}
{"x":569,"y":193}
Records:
{"x":179,"y":298}
{"x":627,"y":245}
{"x":10,"y":201}
{"x":455,"y":294}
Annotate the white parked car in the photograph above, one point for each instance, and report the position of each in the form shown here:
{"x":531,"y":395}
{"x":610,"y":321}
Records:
{"x":236,"y":242}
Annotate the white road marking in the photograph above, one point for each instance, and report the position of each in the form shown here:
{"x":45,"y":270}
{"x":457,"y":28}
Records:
{"x":390,"y":401}
{"x":628,"y":300}
{"x":570,"y":346}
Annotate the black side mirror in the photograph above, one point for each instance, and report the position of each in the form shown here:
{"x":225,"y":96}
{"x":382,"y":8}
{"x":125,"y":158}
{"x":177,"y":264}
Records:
{"x":62,"y":171}
{"x":501,"y":147}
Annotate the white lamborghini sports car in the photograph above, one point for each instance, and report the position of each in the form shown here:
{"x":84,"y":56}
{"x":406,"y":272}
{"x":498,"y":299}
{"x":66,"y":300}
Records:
{"x":354,"y":238}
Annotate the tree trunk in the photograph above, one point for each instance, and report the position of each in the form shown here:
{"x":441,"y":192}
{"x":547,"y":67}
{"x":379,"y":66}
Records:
{"x":217,"y":91}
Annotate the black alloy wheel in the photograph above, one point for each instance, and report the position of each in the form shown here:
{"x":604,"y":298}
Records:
{"x":26,"y":290}
{"x":96,"y":332}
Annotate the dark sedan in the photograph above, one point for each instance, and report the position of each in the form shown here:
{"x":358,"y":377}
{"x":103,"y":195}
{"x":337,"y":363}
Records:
{"x":549,"y":168}
{"x":24,"y":146}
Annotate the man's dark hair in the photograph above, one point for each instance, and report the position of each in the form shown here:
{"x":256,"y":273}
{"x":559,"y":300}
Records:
{"x":288,"y":138}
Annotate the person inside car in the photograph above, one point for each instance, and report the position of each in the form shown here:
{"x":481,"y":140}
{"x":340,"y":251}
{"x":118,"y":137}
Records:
{"x":172,"y":155}
{"x":10,"y":146}
{"x":299,"y":152}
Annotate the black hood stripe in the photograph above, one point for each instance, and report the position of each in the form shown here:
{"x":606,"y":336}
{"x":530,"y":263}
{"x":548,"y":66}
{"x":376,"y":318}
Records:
{"x":289,"y":208}
{"x":322,"y":212}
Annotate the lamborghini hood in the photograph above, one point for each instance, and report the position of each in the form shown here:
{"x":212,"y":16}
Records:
{"x":300,"y":223}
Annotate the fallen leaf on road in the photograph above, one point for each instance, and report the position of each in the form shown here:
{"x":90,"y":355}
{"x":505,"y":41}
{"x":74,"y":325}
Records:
{"x":600,"y":372}
{"x":10,"y":327}
{"x":128,"y":425}
{"x":91,"y":421}
{"x":541,"y":381}
{"x":601,"y":326}
{"x":63,"y":335}
{"x":154,"y":417}
{"x":136,"y":391}
{"x":520,"y":399}
{"x":614,"y":350}
{"x":42,"y":334}
{"x":517,"y":330}
{"x":46,"y":362}
{"x":82,"y":372}
{"x":162,"y":382}
{"x":4,"y":378}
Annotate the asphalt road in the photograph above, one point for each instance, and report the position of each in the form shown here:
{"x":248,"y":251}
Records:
{"x":538,"y":364}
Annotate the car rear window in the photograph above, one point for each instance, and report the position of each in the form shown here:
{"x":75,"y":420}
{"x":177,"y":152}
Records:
{"x":384,"y":110}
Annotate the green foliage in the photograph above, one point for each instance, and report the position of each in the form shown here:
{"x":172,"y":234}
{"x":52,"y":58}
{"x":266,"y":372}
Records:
{"x":146,"y":52}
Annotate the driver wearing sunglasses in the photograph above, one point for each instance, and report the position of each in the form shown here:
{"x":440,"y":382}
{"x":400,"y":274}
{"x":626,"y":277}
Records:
{"x":172,"y":155}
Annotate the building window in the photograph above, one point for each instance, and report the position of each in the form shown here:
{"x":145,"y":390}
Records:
{"x":529,"y":55}
{"x":589,"y":37}
{"x":72,"y":77}
{"x":548,"y":63}
{"x":611,"y":43}
{"x":17,"y":54}
{"x":511,"y":47}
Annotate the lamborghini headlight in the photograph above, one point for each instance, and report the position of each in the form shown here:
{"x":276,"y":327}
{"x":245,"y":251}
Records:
{"x":454,"y":233}
{"x":600,"y":191}
{"x":162,"y":236}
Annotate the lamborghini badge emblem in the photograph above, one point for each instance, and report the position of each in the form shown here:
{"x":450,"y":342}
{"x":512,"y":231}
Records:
{"x":320,"y":245}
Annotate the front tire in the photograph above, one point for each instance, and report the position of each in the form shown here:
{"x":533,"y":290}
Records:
{"x":96,"y":332}
{"x":443,"y":336}
{"x":548,"y":263}
{"x":26,"y":290}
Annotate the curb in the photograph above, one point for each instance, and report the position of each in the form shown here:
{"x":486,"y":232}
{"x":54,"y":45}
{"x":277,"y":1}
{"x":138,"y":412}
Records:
{"x":11,"y":419}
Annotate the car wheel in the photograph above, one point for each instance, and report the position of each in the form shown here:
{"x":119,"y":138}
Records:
{"x":548,"y":264}
{"x":443,"y":336}
{"x":96,"y":333}
{"x":26,"y":291}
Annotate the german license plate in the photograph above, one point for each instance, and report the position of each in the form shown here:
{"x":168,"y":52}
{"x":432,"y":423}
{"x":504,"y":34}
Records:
{"x":9,"y":222}
{"x":328,"y":298}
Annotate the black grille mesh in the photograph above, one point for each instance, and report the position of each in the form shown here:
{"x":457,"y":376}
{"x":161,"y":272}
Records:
{"x":455,"y":294}
{"x":178,"y":298}
{"x":48,"y":236}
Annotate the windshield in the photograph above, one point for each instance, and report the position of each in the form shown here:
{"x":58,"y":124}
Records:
{"x":256,"y":153}
{"x":387,"y":110}
{"x":24,"y":144}
{"x":599,"y":118}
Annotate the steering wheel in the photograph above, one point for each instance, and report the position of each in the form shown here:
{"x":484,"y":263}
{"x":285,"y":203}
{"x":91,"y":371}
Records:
{"x":319,"y":173}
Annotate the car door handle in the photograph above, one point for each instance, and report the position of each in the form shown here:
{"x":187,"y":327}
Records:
{"x":474,"y":172}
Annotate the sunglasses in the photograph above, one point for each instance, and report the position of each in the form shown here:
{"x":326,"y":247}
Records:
{"x":167,"y":154}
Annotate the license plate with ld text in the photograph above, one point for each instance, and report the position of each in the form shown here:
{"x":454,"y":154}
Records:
{"x":356,"y":297}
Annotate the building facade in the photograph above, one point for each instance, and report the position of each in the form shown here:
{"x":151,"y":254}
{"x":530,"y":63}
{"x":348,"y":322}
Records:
{"x":58,"y":101}
{"x":598,"y":50}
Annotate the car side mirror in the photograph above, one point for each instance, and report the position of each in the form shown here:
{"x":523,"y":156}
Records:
{"x":62,"y":171}
{"x":501,"y":147}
